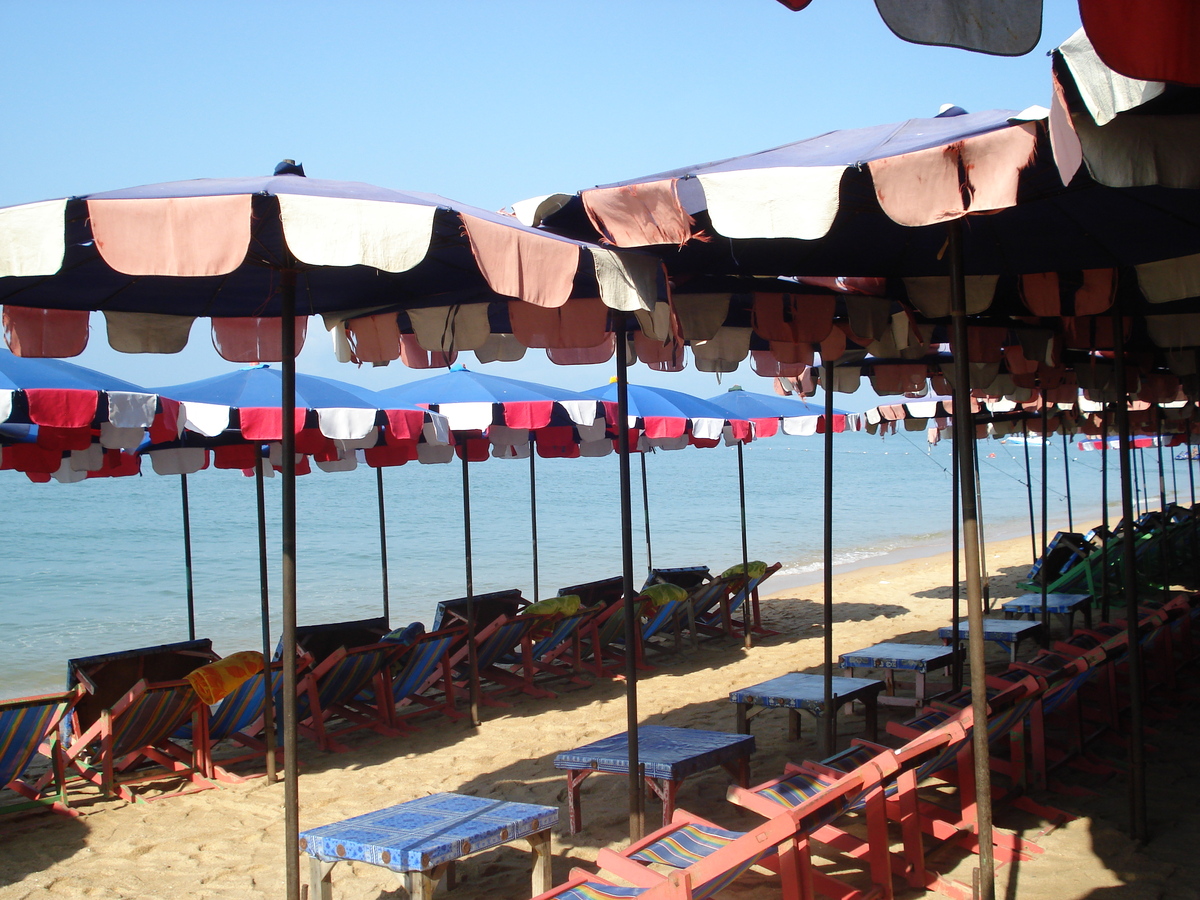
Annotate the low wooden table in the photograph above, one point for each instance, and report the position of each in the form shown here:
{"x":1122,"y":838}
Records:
{"x":669,"y":755}
{"x":1008,"y":633}
{"x":1064,"y":605}
{"x":420,"y":840}
{"x":892,"y":657}
{"x":800,"y":690}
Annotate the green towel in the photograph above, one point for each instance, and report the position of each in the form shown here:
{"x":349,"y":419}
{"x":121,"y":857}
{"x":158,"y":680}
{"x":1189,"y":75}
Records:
{"x":662,"y":594}
{"x":757,"y":568}
{"x":566,"y":604}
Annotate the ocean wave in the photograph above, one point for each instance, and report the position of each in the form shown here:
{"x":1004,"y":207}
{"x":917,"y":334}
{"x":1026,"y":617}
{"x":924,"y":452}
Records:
{"x":839,"y":559}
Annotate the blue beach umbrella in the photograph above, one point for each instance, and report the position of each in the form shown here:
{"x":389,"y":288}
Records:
{"x":509,"y":412}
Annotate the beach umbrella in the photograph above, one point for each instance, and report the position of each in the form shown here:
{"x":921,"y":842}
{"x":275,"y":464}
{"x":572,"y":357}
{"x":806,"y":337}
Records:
{"x":1147,"y":40}
{"x":769,"y":415}
{"x":514,"y":417}
{"x":258,"y":255}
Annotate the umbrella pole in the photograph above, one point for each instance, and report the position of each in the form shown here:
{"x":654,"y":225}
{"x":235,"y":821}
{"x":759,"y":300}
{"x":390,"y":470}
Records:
{"x":646,"y":516}
{"x":533,"y":516}
{"x":1164,"y":545}
{"x":955,"y":591}
{"x":383,"y":559}
{"x":830,"y":720}
{"x":291,"y":771}
{"x":1191,"y":519}
{"x":637,"y":824}
{"x":964,"y":445}
{"x":472,"y":661}
{"x":1104,"y":515}
{"x":1067,"y":481}
{"x":1044,"y":572}
{"x":1029,"y":494}
{"x":986,"y":580}
{"x":187,"y":558}
{"x":745,"y":551}
{"x":1137,"y":762}
{"x":265,"y":615}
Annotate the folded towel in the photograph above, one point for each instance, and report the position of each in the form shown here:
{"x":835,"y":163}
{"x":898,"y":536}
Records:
{"x":223,"y":677}
{"x":662,"y":594}
{"x":406,"y":635}
{"x":566,"y":605}
{"x":757,"y":568}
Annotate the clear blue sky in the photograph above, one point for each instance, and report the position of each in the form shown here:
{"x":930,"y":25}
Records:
{"x":483,"y":102}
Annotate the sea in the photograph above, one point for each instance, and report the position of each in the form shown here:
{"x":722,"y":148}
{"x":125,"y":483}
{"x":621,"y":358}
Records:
{"x":98,"y":566}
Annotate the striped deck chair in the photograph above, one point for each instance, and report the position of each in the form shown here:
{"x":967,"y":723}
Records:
{"x":29,"y":725}
{"x":553,"y":650}
{"x":412,"y":692}
{"x":335,"y":691}
{"x":137,"y":732}
{"x":505,"y":638}
{"x":705,"y":876}
{"x":720,"y":614}
{"x":606,"y":634}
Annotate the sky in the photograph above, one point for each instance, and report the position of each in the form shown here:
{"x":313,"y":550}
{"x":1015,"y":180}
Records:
{"x":485,"y":103}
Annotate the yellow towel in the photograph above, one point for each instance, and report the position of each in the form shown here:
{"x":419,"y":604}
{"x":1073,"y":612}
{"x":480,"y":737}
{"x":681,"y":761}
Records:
{"x":662,"y":594}
{"x":221,"y":678}
{"x":757,"y":567}
{"x":565,"y":604}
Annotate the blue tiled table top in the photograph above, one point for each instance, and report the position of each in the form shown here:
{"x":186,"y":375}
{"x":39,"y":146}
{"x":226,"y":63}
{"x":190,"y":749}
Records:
{"x":671,"y":753}
{"x":919,"y":657}
{"x":994,"y":629}
{"x":1055,"y":603}
{"x":801,"y":690}
{"x":426,"y":832}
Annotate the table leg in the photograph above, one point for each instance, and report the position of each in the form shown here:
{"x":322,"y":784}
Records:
{"x":574,"y":813}
{"x":320,"y":886}
{"x":420,"y":885}
{"x":920,"y":686}
{"x":665,"y":789}
{"x":793,"y":724}
{"x":543,"y":875}
{"x":889,"y":679}
{"x":743,"y":723}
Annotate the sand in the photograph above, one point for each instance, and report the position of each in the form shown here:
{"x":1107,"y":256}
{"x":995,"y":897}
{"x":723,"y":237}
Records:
{"x":229,"y":842}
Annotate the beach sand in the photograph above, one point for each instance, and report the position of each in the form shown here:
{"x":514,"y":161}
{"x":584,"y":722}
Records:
{"x":228,"y":842}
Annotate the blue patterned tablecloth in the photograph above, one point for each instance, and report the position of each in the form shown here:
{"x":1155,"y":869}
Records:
{"x":994,"y":629}
{"x":801,"y":690}
{"x":1055,"y":603}
{"x":426,"y":832}
{"x":672,"y":753}
{"x":918,"y":657}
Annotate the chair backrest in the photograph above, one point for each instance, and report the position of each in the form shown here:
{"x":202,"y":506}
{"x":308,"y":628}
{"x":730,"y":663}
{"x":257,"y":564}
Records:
{"x":687,"y":577}
{"x":504,"y":639}
{"x":561,"y":630}
{"x":110,"y":676}
{"x":488,"y":608}
{"x":719,"y":869}
{"x":420,"y":659}
{"x":242,"y":707}
{"x":24,"y":724}
{"x":319,"y":641}
{"x":602,"y":593}
{"x":743,"y":592}
{"x":150,"y":713}
{"x":706,"y":598}
{"x":347,"y":672}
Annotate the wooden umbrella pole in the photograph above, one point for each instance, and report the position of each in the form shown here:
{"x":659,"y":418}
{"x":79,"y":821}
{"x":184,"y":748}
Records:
{"x":1164,"y":545}
{"x":1029,"y":494}
{"x":1137,"y":733}
{"x":955,"y":590}
{"x":383,"y":556}
{"x":1044,"y":572}
{"x":472,"y":660}
{"x":265,"y":615}
{"x":633,"y":638}
{"x":747,"y":639}
{"x":964,"y":445}
{"x":291,"y":767}
{"x":533,"y":517}
{"x":646,"y":514}
{"x":829,"y":721}
{"x":187,"y":558}
{"x":1067,"y":481}
{"x":1104,"y":582}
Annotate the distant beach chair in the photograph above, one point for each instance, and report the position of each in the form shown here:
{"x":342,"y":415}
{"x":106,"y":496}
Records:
{"x":687,"y":577}
{"x":319,"y":641}
{"x":606,"y":634}
{"x":498,"y":639}
{"x":335,"y":689}
{"x":552,"y":648}
{"x":29,"y":725}
{"x":599,"y":594}
{"x":413,"y":691}
{"x":138,"y":730}
{"x":717,"y":614}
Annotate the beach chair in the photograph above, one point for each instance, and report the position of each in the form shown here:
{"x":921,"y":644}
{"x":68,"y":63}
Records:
{"x":413,"y":691}
{"x":29,"y":725}
{"x":606,"y":634}
{"x":599,"y":594}
{"x":553,"y":649}
{"x":710,"y":609}
{"x":687,"y":577}
{"x":343,"y":689}
{"x":137,"y":732}
{"x":500,"y":638}
{"x":704,"y":877}
{"x":320,"y":641}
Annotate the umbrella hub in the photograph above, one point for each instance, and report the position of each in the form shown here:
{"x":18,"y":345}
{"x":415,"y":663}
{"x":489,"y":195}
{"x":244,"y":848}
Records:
{"x":290,"y":167}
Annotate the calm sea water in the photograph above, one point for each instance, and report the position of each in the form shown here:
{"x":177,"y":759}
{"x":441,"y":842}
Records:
{"x":98,"y":566}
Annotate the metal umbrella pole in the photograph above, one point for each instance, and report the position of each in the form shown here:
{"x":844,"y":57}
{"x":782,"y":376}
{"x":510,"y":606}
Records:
{"x":265,"y":613}
{"x":1067,"y":481}
{"x":646,"y":514}
{"x":827,"y":618}
{"x":1137,"y":736}
{"x":472,"y":661}
{"x":291,"y":759}
{"x":637,"y":823}
{"x":187,"y":558}
{"x":986,"y":580}
{"x":533,"y":516}
{"x":383,"y":555}
{"x":1029,"y":494}
{"x":1044,"y":572}
{"x":1104,"y":610}
{"x":955,"y":592}
{"x":748,"y":641}
{"x":964,"y":445}
{"x":1164,"y":545}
